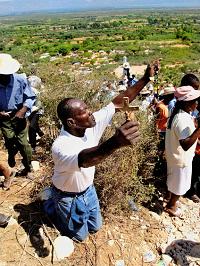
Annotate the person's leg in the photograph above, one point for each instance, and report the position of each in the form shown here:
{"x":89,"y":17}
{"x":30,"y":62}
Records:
{"x":178,"y":183}
{"x":24,"y":147}
{"x":32,"y":130}
{"x":38,"y":129}
{"x":167,"y":197}
{"x":95,"y":218}
{"x":192,"y":192}
{"x":71,"y":216}
{"x":172,"y":207}
{"x":172,"y":204}
{"x":5,"y":169}
{"x":8,"y":174}
{"x":10,"y":141}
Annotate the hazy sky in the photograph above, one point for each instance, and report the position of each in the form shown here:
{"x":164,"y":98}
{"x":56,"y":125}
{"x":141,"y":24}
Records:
{"x":10,"y":6}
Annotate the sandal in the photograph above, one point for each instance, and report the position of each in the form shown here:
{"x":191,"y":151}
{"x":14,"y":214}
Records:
{"x":195,"y":198}
{"x":176,"y":213}
{"x":8,"y":181}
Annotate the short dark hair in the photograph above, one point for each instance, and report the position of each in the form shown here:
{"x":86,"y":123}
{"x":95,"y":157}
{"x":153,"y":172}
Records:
{"x":190,"y":80}
{"x":64,"y":109}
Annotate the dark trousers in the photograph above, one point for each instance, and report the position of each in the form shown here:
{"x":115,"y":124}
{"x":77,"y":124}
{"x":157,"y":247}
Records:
{"x":195,"y":182}
{"x":14,"y":131}
{"x":126,"y":72}
{"x":34,"y":129}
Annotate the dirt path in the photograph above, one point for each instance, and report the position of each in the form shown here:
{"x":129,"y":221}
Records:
{"x":130,"y":241}
{"x":137,"y":70}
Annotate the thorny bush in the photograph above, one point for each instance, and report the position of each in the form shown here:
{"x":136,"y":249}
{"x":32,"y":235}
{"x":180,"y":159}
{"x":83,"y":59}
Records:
{"x":126,"y":173}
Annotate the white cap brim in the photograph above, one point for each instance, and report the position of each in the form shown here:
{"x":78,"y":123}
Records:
{"x":8,"y":65}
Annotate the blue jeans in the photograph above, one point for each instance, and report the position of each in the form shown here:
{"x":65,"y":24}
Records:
{"x":75,"y":215}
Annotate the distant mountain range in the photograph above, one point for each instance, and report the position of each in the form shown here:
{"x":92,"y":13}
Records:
{"x":11,"y":7}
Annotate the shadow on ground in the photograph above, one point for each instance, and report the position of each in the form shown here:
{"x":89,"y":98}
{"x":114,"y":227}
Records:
{"x":31,"y":218}
{"x":180,"y":249}
{"x":159,"y":182}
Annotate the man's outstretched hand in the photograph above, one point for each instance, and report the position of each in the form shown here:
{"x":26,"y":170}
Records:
{"x":127,"y":134}
{"x":4,"y":114}
{"x":152,"y":69}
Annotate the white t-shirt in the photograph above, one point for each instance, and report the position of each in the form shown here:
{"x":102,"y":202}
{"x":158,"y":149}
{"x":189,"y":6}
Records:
{"x":182,"y":127}
{"x":67,"y":174}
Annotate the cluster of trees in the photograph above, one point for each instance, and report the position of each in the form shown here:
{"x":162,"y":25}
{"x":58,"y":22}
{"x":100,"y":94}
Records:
{"x":131,"y":32}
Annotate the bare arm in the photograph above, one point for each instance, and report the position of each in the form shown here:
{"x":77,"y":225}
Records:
{"x":188,"y":142}
{"x":21,"y":113}
{"x":127,"y":134}
{"x":133,"y":90}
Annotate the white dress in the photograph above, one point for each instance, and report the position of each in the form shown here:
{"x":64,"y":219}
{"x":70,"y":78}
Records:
{"x":179,"y":162}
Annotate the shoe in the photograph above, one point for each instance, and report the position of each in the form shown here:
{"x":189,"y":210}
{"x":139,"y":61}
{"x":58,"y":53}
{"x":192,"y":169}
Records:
{"x":7,"y":182}
{"x":11,"y":161}
{"x":26,"y":173}
{"x":195,"y":198}
{"x":40,"y":133}
{"x":30,"y":176}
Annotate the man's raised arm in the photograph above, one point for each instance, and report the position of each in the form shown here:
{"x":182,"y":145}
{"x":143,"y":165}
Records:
{"x":132,"y":91}
{"x":127,"y":134}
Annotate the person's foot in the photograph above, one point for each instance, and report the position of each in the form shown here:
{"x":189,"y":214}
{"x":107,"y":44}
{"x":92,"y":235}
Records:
{"x":30,"y":175}
{"x":195,"y":198}
{"x":7,"y":182}
{"x":167,"y":197}
{"x":11,"y":160}
{"x":26,"y":173}
{"x":176,"y":212}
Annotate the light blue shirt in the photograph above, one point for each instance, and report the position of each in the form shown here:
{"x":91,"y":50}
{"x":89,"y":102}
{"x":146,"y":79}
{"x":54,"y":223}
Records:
{"x":16,"y":94}
{"x":171,"y":105}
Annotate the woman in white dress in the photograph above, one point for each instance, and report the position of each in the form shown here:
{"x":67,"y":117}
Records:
{"x":180,"y":144}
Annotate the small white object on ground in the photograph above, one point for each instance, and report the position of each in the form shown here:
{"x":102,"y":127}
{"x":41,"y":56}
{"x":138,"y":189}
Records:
{"x":63,"y":247}
{"x":35,"y":165}
{"x":120,"y":263}
{"x":149,"y":256}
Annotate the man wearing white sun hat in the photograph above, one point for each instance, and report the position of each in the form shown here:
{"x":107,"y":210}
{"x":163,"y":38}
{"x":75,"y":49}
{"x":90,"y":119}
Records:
{"x":16,"y":100}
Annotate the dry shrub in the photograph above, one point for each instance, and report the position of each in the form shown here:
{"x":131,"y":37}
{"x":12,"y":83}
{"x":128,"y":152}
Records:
{"x":128,"y":173}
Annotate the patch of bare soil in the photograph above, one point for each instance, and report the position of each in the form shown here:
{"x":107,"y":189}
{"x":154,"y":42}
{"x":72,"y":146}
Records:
{"x":131,"y":240}
{"x":137,"y":70}
{"x":180,"y":45}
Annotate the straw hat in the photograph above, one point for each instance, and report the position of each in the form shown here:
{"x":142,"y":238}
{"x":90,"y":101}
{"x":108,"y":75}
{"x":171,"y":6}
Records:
{"x":167,"y":91}
{"x":186,"y":93}
{"x":8,"y":65}
{"x":145,"y":92}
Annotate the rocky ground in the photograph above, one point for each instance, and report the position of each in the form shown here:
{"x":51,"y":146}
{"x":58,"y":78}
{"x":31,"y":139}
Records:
{"x":142,"y":238}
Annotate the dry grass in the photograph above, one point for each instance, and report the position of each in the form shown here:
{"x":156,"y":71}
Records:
{"x":126,"y":174}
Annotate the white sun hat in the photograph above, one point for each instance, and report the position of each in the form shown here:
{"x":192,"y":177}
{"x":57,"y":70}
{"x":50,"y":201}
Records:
{"x":186,"y":93}
{"x":167,"y":91}
{"x":8,"y":65}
